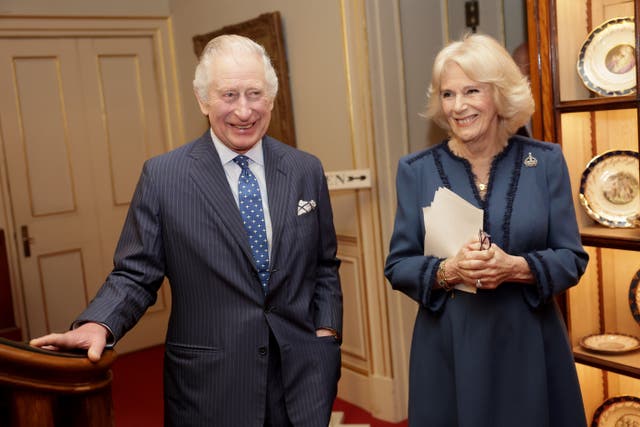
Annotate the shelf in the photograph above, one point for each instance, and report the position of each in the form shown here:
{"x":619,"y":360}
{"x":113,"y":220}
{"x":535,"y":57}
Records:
{"x":613,"y":238}
{"x":599,"y":103}
{"x":626,"y":364}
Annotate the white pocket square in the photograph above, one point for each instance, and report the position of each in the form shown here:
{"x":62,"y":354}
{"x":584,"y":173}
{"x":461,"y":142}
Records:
{"x":305,"y":207}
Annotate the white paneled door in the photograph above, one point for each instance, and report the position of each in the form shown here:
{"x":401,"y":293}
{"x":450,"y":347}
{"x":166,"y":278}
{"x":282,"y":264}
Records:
{"x":78,"y":116}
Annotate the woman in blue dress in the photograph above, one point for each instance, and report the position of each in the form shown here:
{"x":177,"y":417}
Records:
{"x":501,"y":356}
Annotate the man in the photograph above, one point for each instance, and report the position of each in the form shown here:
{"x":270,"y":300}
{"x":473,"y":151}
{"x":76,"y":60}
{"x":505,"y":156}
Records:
{"x":253,"y":337}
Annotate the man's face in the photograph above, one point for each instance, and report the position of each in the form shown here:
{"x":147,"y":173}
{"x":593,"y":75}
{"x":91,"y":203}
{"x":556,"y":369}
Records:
{"x":238,"y":107}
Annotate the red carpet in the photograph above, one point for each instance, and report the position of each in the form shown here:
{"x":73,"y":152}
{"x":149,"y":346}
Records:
{"x":137,"y":388}
{"x":137,"y":393}
{"x":356,"y":415}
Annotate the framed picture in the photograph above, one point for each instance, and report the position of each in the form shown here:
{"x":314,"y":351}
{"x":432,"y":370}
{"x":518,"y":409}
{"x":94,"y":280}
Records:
{"x":266,"y":30}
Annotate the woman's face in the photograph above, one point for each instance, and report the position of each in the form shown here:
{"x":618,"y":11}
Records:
{"x":468,"y":106}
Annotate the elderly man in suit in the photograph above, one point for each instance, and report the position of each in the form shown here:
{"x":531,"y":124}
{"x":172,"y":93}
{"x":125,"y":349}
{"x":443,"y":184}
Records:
{"x":242,"y":226}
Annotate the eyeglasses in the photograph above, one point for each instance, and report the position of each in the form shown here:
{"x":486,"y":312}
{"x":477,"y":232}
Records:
{"x":484,"y":239}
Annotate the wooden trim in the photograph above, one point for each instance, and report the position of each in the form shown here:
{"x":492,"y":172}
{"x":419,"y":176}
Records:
{"x":45,"y":388}
{"x":542,"y":76}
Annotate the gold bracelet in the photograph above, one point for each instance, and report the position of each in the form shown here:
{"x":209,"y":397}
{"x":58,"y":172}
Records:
{"x":442,"y":280}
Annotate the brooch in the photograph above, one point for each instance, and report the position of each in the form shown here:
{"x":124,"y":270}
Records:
{"x":530,"y":161}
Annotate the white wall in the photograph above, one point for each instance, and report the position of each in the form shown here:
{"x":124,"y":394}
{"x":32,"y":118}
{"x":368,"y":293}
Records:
{"x":85,"y":7}
{"x":313,"y":35}
{"x":423,"y":35}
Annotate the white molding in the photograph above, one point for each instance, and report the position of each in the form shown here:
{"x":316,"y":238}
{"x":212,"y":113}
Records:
{"x":361,"y":386}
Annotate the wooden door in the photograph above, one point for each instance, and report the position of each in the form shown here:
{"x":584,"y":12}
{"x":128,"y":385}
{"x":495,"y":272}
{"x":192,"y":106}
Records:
{"x":79,"y":117}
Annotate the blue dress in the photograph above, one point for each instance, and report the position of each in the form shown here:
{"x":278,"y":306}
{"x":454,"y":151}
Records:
{"x":500,"y":357}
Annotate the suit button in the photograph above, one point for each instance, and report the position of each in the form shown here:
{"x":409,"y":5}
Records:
{"x":262,"y":351}
{"x":269,"y":309}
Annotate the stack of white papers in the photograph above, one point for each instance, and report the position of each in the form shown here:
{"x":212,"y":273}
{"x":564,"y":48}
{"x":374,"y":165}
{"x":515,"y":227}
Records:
{"x":450,"y":222}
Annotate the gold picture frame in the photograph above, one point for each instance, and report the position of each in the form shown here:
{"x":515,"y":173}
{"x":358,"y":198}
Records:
{"x":266,"y":30}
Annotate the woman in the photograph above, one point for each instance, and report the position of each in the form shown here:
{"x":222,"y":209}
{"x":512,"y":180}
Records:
{"x":501,"y":356}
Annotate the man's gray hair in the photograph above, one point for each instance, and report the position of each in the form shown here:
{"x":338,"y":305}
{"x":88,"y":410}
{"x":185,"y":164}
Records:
{"x":231,"y":44}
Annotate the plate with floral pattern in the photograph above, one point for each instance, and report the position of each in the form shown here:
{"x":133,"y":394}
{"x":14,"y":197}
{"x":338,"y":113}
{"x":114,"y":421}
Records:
{"x":610,"y":189}
{"x":610,"y":343}
{"x":634,"y":296}
{"x":607,"y":61}
{"x":617,"y":411}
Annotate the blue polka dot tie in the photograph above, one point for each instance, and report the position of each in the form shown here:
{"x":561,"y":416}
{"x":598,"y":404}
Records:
{"x":250,"y":203}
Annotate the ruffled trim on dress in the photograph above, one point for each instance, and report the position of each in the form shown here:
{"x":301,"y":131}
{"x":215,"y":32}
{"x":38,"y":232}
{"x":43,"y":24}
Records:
{"x":484,"y":203}
{"x":511,"y":195}
{"x":544,"y":285}
{"x":435,"y":301}
{"x":439,"y":167}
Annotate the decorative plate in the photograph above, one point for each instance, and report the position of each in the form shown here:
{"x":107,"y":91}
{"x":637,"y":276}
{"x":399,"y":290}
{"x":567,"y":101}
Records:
{"x":607,"y":62}
{"x":610,"y":343}
{"x":634,"y":296}
{"x":610,"y":189}
{"x":617,"y":411}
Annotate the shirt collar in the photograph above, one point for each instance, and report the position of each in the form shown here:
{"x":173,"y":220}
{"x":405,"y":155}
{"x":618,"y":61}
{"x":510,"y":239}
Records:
{"x":227,"y":155}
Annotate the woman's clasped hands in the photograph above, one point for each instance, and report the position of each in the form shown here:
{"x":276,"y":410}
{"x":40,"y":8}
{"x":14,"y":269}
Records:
{"x":480,"y":263}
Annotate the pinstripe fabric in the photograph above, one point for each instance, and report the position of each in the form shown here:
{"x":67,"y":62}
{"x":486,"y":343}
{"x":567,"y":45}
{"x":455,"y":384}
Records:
{"x":184,"y":223}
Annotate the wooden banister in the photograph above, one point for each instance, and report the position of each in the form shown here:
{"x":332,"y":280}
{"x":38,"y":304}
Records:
{"x":46,"y":388}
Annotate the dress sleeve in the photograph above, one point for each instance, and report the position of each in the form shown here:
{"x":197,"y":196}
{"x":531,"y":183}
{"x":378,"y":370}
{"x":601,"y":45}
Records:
{"x":407,"y":268}
{"x":562,"y":263}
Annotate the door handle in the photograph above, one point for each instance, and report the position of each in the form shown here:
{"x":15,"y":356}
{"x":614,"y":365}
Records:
{"x":26,"y":241}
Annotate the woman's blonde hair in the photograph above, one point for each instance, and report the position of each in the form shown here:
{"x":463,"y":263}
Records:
{"x":484,"y":60}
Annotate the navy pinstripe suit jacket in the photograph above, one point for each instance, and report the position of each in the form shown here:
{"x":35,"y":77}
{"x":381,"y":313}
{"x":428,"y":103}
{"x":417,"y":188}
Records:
{"x":183,"y":223}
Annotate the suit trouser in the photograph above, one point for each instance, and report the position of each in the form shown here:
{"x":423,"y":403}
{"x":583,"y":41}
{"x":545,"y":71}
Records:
{"x":276,"y":412}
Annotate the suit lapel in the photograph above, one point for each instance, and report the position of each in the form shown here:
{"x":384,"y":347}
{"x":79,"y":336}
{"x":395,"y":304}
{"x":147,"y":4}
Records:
{"x":278,"y":191}
{"x":208,"y":174}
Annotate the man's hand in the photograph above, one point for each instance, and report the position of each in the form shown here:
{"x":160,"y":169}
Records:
{"x":89,"y":336}
{"x":324,"y":332}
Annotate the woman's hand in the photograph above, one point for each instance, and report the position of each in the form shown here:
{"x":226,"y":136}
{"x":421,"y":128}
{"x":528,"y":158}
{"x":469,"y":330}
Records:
{"x":488,"y":268}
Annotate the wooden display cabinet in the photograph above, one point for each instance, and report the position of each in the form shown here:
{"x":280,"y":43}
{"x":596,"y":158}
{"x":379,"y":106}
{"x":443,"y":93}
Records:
{"x":587,"y":124}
